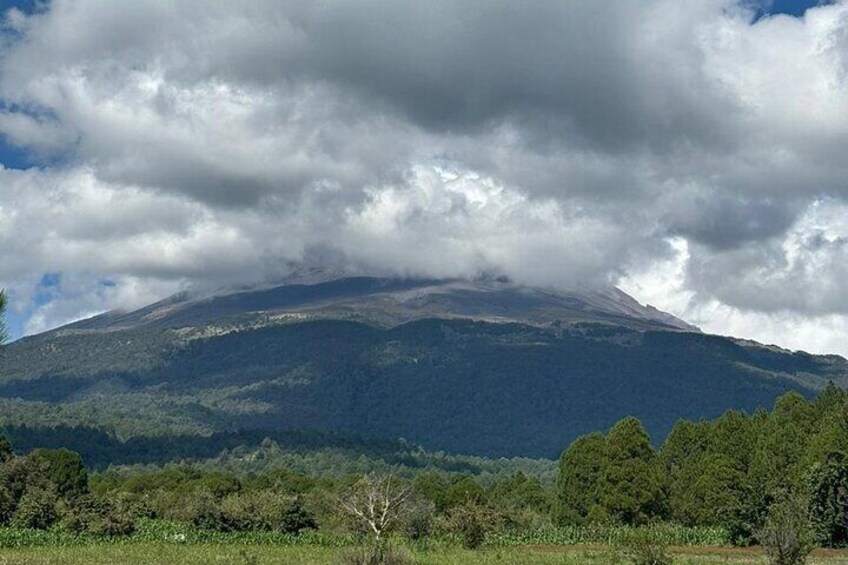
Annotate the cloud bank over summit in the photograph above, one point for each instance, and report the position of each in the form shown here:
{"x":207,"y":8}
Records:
{"x":692,"y":153}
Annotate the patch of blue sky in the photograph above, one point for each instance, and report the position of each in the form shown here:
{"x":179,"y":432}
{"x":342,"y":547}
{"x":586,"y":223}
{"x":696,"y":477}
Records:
{"x":11,"y":156}
{"x":49,"y":289}
{"x":795,"y":8}
{"x":25,"y":6}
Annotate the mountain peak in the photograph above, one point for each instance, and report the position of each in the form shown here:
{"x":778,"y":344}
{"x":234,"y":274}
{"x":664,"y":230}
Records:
{"x":343,"y":293}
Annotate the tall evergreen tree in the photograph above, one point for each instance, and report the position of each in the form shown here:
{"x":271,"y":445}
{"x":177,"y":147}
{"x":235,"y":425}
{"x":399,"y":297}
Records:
{"x":827,"y":483}
{"x":687,"y":440}
{"x":579,"y":470}
{"x":632,"y":485}
{"x":707,"y":492}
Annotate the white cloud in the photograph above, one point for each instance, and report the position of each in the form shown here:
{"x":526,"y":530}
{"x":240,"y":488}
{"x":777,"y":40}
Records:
{"x":564,"y":143}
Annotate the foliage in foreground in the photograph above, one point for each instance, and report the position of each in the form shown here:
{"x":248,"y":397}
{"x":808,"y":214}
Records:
{"x":711,"y":483}
{"x":724,"y":473}
{"x":647,"y":546}
{"x":787,"y":535}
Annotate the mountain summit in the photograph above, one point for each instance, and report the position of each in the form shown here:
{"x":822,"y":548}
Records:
{"x":482,"y":366}
{"x":388,"y":302}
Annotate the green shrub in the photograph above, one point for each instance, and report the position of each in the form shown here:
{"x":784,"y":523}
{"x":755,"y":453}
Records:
{"x":18,"y":474}
{"x":250,"y":511}
{"x":202,"y":510}
{"x":36,"y":510}
{"x":472,"y":522}
{"x":114,"y":520}
{"x":377,"y":554}
{"x":7,"y":506}
{"x":294,"y":518}
{"x":6,"y":452}
{"x":418,"y":524}
{"x":99,"y":517}
{"x":787,"y":535}
{"x":647,"y":545}
{"x":64,"y":468}
{"x":219,"y":484}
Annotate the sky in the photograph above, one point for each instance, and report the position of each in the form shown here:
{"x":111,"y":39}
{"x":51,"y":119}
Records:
{"x":692,"y":153}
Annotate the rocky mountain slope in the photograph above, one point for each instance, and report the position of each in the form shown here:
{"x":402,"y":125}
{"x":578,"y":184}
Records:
{"x":388,"y":302}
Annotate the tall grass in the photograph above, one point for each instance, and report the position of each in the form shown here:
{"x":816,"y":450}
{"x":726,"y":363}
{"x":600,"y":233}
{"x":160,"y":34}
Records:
{"x":169,"y":532}
{"x":160,"y":531}
{"x":608,"y":535}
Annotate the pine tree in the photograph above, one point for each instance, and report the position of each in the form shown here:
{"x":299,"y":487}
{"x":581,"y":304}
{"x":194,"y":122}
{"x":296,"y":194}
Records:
{"x":827,"y":483}
{"x":579,"y":470}
{"x":632,"y":485}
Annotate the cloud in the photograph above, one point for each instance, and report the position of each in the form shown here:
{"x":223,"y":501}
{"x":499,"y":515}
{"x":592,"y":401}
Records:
{"x":563,"y":143}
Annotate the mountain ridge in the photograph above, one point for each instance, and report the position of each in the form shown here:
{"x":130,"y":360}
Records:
{"x":483,"y":367}
{"x":391,"y":301}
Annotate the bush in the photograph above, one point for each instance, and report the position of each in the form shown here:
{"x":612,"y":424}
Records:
{"x":377,"y":554}
{"x":219,"y":484}
{"x":105,"y":518}
{"x":787,"y":535}
{"x":250,"y":511}
{"x":6,"y":452}
{"x":73,"y":517}
{"x":36,"y":510}
{"x":472,"y":521}
{"x":418,"y":523}
{"x":7,"y":506}
{"x":201,"y":510}
{"x":64,"y":468}
{"x":113,"y":521}
{"x":647,"y":546}
{"x":294,"y":518}
{"x":20,"y":474}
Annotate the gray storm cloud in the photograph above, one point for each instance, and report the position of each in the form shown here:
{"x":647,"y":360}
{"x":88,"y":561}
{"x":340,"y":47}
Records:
{"x":562,"y":143}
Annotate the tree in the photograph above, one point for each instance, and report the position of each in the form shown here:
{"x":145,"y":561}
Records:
{"x":4,"y":333}
{"x":376,"y":504}
{"x":686,"y":441}
{"x":831,"y":398}
{"x":631,"y":486}
{"x":781,"y":443}
{"x":707,"y":492}
{"x":786,"y":534}
{"x":472,"y":522}
{"x":64,"y":468}
{"x":579,"y":470}
{"x":519,"y":492}
{"x":828,"y":486}
{"x":36,"y":509}
{"x":734,"y":436}
{"x":6,"y":452}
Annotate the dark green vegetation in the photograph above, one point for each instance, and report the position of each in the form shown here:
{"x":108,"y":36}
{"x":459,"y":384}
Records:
{"x":487,"y":368}
{"x":4,"y":334}
{"x":779,"y":479}
{"x":758,"y":477}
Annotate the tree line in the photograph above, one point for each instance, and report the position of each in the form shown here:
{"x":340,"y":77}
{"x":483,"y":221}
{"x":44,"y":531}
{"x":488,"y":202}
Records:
{"x":726,"y":472}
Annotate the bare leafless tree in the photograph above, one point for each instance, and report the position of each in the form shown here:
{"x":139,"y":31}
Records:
{"x":377,"y":503}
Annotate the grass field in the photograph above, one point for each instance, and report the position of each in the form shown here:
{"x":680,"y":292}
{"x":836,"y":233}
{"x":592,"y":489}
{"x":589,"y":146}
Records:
{"x":167,"y":553}
{"x":161,"y":542}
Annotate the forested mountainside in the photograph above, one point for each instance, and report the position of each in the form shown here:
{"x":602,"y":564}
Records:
{"x":457,"y":366}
